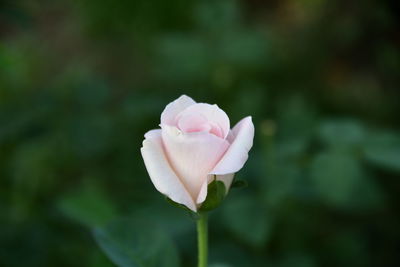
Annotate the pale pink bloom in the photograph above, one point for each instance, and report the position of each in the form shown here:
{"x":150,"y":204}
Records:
{"x":194,"y":145}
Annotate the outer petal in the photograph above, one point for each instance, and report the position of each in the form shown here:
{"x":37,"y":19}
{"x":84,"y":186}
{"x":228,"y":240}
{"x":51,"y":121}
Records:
{"x":237,"y":154}
{"x":216,"y":116}
{"x":192,"y":155}
{"x":203,"y":190}
{"x":161,"y":173}
{"x":174,"y":108}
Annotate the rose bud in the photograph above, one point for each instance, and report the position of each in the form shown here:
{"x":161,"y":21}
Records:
{"x":194,"y":148}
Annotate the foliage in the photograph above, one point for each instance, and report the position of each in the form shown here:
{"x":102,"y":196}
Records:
{"x":82,"y":81}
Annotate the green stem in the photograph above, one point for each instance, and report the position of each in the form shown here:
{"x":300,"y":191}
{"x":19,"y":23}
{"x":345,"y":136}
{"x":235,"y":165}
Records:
{"x":202,"y":239}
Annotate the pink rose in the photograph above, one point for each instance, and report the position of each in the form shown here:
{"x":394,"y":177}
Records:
{"x":194,"y":145}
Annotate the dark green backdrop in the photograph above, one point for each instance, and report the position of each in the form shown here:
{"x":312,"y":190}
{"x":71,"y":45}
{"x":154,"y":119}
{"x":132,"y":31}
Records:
{"x":82,"y":81}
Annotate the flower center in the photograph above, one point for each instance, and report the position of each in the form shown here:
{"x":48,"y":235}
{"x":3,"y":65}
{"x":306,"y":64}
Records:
{"x":190,"y":123}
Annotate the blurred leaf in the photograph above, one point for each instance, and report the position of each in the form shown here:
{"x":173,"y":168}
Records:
{"x":335,"y":176}
{"x":252,"y":103}
{"x":217,"y":15}
{"x":296,"y":118}
{"x":174,"y":221}
{"x":244,"y":49}
{"x":383,"y":149}
{"x":88,"y":205}
{"x":280,"y":182}
{"x":215,"y":195}
{"x":297,"y":259}
{"x":91,"y":136}
{"x":182,"y":58}
{"x":232,"y":254}
{"x":130,"y":243}
{"x":99,"y":259}
{"x":341,"y":133}
{"x":246,"y":217}
{"x":15,"y":61}
{"x":33,"y":174}
{"x":348,"y":247}
{"x":281,"y":170}
{"x":370,"y":197}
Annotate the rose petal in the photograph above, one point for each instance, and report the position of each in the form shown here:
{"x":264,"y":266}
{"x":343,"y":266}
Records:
{"x":192,"y":155}
{"x":156,"y":133}
{"x":174,"y":108}
{"x":193,"y":123}
{"x":237,"y":154}
{"x":161,"y":173}
{"x":216,"y":117}
{"x":203,"y":190}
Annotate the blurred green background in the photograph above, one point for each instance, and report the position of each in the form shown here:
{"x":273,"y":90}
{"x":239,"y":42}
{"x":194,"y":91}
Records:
{"x":82,"y":81}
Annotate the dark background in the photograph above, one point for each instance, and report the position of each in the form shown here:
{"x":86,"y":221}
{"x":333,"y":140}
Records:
{"x":82,"y":81}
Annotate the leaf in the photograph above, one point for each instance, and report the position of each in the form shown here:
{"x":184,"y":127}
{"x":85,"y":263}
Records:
{"x":281,"y":183}
{"x":296,"y":119}
{"x":383,"y":150}
{"x":369,"y":196}
{"x":243,"y":49}
{"x":335,"y":176}
{"x":182,"y":58}
{"x":89,"y":205}
{"x":246,"y":218}
{"x":215,"y":195}
{"x":217,"y":15}
{"x":341,"y":133}
{"x":134,"y":243}
{"x":98,"y":259}
{"x":282,"y":175}
{"x":348,"y":248}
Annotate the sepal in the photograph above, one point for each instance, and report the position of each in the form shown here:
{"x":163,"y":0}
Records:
{"x":237,"y":184}
{"x":215,"y":196}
